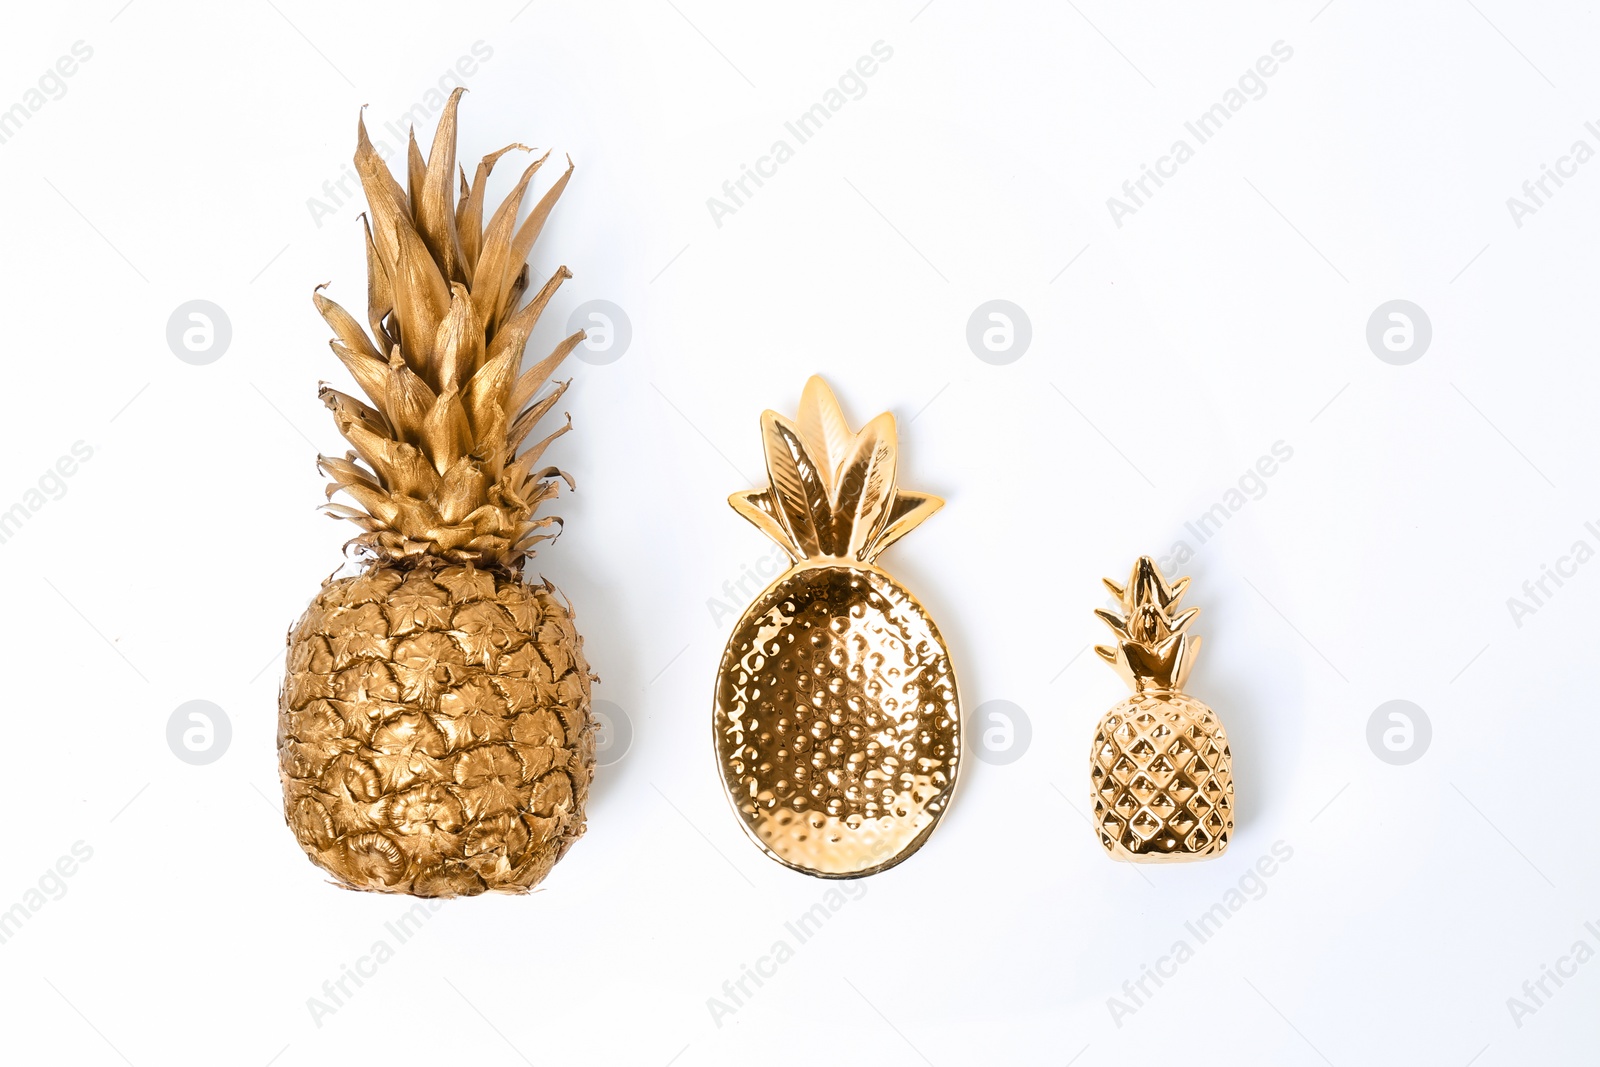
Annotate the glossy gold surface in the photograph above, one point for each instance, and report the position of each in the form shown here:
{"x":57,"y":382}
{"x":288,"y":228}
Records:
{"x":837,"y":723}
{"x":837,"y":720}
{"x":434,"y":735}
{"x":1160,"y":766}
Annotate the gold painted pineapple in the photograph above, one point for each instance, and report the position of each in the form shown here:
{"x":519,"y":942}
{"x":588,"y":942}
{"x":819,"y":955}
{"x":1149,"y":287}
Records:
{"x":837,"y":722}
{"x":434,"y":735}
{"x":1162,"y":772}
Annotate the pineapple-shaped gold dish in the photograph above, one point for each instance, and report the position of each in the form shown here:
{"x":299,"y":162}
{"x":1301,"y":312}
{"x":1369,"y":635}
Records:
{"x":837,"y":721}
{"x":1162,"y":772}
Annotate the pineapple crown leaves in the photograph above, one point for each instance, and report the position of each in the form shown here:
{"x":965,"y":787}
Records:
{"x":1153,"y":649}
{"x":833,"y":493}
{"x":436,"y":468}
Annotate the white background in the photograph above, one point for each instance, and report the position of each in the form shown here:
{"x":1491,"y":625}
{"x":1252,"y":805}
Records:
{"x":1167,"y":355}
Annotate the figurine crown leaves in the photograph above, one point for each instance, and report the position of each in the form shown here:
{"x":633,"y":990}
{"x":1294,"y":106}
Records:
{"x":833,"y":493}
{"x":1153,"y":649}
{"x":436,"y":467}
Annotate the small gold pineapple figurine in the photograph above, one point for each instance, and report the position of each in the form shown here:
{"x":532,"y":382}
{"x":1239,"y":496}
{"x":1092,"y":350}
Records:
{"x":1163,"y":778}
{"x":837,"y":722}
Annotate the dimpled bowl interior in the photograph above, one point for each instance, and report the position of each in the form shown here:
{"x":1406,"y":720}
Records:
{"x":837,"y":721}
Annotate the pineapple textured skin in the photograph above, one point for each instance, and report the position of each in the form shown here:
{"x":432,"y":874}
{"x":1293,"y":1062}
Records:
{"x":837,"y":723}
{"x":1163,"y":779}
{"x":434,"y":735}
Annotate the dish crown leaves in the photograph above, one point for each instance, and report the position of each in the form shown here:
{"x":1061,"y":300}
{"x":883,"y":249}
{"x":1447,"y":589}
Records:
{"x":833,"y":492}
